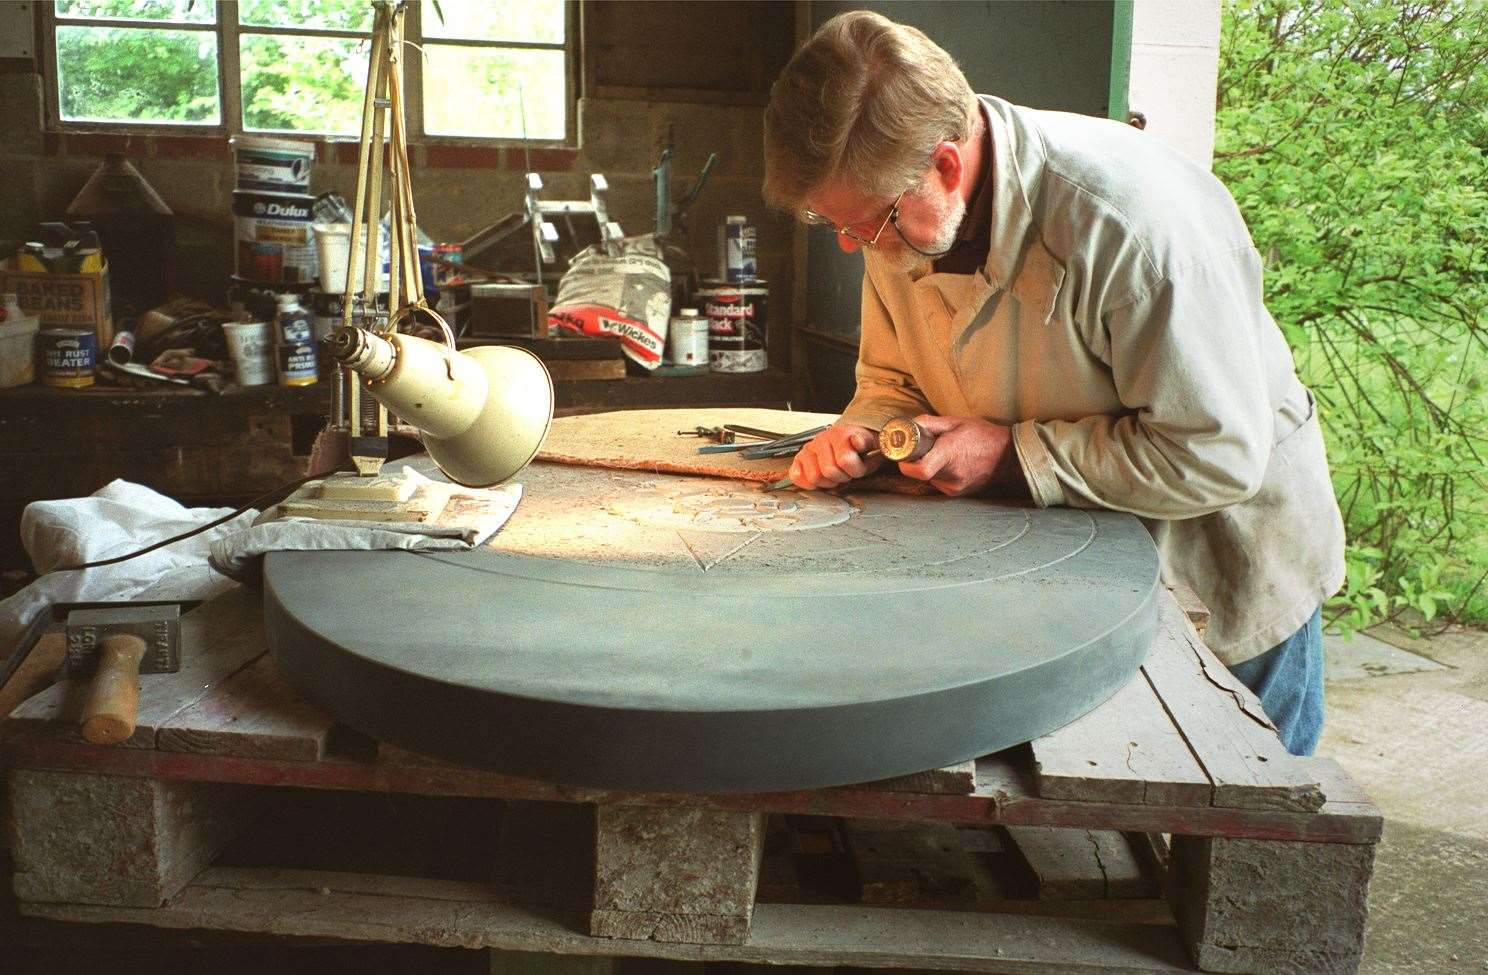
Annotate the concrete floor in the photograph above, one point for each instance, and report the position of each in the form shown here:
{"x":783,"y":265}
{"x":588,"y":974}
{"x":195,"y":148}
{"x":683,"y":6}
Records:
{"x":1416,"y":739}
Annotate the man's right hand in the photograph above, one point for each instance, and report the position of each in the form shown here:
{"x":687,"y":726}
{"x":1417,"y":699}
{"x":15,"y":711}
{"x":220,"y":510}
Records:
{"x":835,"y":456}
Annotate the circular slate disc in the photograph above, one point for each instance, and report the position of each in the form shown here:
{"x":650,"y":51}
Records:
{"x":659,"y":633}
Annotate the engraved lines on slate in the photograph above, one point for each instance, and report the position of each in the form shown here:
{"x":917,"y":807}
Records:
{"x":711,"y":549}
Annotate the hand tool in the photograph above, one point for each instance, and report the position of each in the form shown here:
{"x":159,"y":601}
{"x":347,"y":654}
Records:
{"x":116,"y":645}
{"x":754,"y":432}
{"x":904,"y":440}
{"x":730,"y":432}
{"x":900,"y":440}
{"x":715,"y":434}
{"x":779,"y":447}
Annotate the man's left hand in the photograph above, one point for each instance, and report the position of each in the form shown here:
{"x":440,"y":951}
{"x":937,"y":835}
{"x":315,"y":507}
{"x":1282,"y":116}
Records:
{"x":969,"y":455}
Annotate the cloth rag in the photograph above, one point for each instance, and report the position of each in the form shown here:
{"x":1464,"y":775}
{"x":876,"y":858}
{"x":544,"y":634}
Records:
{"x":123,"y":517}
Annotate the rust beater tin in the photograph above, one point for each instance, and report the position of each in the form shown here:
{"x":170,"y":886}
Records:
{"x":68,"y":356}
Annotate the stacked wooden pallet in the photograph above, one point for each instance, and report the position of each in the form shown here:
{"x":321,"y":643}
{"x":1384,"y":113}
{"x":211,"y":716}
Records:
{"x":1266,"y":871}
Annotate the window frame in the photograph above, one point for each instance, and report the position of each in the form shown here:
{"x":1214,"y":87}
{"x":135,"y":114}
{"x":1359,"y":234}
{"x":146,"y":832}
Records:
{"x":229,"y":31}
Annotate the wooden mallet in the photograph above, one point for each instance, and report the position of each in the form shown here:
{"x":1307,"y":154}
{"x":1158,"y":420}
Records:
{"x":116,"y":645}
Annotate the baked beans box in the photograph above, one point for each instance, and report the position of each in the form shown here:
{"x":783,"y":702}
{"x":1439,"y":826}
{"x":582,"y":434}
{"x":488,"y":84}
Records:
{"x":63,"y":300}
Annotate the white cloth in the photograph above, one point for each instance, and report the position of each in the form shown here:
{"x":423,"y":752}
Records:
{"x":119,"y":518}
{"x":123,"y":517}
{"x":236,"y":555}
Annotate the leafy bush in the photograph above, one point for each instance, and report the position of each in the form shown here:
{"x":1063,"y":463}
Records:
{"x":1354,"y":135}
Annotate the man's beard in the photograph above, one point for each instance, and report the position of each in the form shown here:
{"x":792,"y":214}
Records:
{"x":948,"y":213}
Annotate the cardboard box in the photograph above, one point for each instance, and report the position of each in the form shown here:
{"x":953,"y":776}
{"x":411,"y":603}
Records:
{"x":63,"y":300}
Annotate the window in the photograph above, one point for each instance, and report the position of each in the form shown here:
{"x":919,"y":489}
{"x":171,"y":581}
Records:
{"x":486,"y":69}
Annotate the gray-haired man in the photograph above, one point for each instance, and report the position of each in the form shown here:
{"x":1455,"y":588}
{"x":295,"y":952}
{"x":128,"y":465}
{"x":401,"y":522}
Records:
{"x":1075,"y":310}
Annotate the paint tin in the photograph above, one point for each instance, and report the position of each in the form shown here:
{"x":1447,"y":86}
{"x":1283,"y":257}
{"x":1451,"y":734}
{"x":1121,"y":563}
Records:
{"x":275,"y":243}
{"x":737,"y":322}
{"x":272,"y":165}
{"x":68,"y":356}
{"x":687,"y":339}
{"x":737,"y":246}
{"x":294,"y":343}
{"x":121,"y":352}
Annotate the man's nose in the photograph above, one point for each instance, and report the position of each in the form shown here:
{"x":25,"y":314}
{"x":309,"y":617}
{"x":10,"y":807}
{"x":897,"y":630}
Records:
{"x":847,"y":244}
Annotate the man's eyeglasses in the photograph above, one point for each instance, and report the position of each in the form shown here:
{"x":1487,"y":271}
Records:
{"x":817,"y":220}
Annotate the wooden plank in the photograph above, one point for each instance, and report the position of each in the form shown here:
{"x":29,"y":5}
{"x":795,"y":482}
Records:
{"x":468,"y":915}
{"x":589,"y":369}
{"x":36,"y":673}
{"x":953,"y":780}
{"x":218,"y":638}
{"x":1126,"y":750}
{"x":1193,"y":607}
{"x":1075,"y":864}
{"x":1224,"y":725}
{"x":1005,"y":794}
{"x":252,"y":714}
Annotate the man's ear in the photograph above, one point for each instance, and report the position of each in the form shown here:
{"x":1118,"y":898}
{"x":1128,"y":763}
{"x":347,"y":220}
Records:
{"x":949,"y":164}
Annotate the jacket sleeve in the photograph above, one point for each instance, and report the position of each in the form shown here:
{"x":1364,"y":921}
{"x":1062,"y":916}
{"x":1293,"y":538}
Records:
{"x":1187,"y":360}
{"x":886,"y":390}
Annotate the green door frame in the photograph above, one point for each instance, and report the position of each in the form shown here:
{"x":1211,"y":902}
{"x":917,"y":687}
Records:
{"x":1121,"y":44}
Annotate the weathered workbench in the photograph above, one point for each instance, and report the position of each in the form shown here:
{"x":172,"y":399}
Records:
{"x":1176,"y":781}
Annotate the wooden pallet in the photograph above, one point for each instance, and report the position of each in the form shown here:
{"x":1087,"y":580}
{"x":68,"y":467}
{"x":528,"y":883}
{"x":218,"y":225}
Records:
{"x":1267,"y":869}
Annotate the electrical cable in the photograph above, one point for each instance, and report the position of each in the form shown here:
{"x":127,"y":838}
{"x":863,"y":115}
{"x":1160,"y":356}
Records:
{"x":289,"y":486}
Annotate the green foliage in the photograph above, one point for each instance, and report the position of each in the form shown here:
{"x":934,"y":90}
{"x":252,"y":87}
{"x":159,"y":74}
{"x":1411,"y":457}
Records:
{"x":312,"y":84}
{"x":143,"y":75}
{"x":1354,"y":136}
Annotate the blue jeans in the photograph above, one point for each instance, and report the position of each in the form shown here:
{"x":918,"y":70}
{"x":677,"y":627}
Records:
{"x":1288,"y":679}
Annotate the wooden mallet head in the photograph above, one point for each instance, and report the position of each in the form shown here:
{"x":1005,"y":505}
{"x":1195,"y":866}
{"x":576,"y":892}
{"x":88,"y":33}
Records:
{"x":116,"y":644}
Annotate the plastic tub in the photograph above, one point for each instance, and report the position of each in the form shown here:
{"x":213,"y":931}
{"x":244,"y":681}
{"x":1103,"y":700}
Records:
{"x":18,"y":352}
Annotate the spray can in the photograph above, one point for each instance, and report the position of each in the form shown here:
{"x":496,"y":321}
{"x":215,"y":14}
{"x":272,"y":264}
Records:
{"x":294,"y":343}
{"x":738,"y":246}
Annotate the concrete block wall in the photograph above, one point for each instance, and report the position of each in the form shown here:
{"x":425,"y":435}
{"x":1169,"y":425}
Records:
{"x":628,"y":109}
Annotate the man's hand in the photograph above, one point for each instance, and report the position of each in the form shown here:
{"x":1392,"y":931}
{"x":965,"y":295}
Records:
{"x":969,"y":455}
{"x":835,"y":456}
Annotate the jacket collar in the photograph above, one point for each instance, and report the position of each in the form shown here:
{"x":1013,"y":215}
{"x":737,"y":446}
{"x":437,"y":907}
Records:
{"x":1018,"y":158}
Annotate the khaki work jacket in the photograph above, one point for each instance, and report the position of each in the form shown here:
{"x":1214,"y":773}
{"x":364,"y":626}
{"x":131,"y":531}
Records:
{"x":1118,"y":328}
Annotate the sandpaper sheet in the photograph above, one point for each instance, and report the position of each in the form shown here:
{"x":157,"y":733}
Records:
{"x":648,"y":440}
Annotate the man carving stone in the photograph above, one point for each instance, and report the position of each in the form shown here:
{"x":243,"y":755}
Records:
{"x":1075,"y":311}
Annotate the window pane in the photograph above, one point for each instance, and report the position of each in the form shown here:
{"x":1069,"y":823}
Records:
{"x":474,"y":91}
{"x":495,"y":20}
{"x":306,"y":84}
{"x":325,"y":14}
{"x":137,"y":74}
{"x":201,"y":12}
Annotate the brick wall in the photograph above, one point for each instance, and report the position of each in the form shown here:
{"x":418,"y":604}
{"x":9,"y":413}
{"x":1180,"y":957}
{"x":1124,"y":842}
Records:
{"x":699,"y":72}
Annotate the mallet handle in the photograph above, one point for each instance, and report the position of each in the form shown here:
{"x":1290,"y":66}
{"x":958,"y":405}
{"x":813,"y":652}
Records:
{"x":112,"y":707}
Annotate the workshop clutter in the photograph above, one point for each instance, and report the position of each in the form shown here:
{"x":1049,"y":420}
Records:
{"x":57,"y":307}
{"x":62,"y":277}
{"x":135,"y":230}
{"x":17,"y":344}
{"x":625,"y":295}
{"x":271,"y":206}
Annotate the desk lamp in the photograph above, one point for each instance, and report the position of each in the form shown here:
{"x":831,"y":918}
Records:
{"x":483,"y":412}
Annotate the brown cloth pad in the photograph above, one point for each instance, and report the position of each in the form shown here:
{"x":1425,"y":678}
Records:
{"x":647,"y":440}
